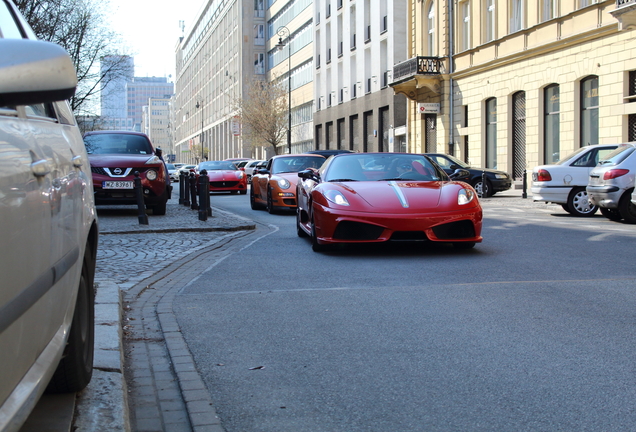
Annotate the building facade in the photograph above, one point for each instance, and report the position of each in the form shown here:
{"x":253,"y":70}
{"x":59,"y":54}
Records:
{"x":215,"y":60}
{"x":356,"y":44}
{"x":156,"y":121}
{"x":138,"y":92}
{"x":117,"y":72}
{"x":290,"y":61}
{"x":518,"y":83}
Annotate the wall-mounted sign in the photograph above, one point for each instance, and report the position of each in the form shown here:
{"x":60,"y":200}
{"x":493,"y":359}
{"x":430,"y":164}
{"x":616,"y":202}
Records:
{"x":428,"y":108}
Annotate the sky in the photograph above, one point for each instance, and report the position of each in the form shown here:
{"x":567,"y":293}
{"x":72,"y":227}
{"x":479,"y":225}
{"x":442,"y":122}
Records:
{"x":150,"y":30}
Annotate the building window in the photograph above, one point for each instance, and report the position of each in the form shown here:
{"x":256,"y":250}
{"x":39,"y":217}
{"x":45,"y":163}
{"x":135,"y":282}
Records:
{"x":631,"y":90}
{"x":548,"y":10}
{"x":491,"y":133}
{"x":259,"y":8}
{"x":430,"y":26}
{"x":589,"y":111}
{"x":259,"y":63}
{"x":490,"y":21}
{"x":584,"y":3}
{"x":464,"y":40}
{"x":517,"y":15}
{"x":551,"y":126}
{"x":259,"y":34}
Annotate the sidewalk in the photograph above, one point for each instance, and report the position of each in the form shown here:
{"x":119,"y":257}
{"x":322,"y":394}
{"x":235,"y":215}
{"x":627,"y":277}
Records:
{"x":102,"y":405}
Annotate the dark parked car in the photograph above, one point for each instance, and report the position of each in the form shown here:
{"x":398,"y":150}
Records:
{"x":327,"y":153}
{"x":496,"y":181}
{"x":114,"y":157}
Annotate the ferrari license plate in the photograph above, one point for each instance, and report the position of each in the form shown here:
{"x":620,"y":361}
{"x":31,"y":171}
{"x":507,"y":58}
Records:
{"x":117,"y":185}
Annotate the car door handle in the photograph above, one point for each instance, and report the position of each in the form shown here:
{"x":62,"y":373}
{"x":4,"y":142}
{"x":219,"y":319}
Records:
{"x":40,"y":168}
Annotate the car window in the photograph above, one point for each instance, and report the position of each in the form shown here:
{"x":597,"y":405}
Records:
{"x":64,"y":113}
{"x":589,"y":159}
{"x":218,"y":165}
{"x":40,"y":110}
{"x":117,"y":144}
{"x":8,"y":27}
{"x":295,"y":164}
{"x":618,"y":155}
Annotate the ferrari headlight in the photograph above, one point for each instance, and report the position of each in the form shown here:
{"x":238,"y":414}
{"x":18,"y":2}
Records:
{"x":465,"y":196}
{"x":240,"y":174}
{"x":336,"y":197}
{"x":151,"y":175}
{"x":284,"y":184}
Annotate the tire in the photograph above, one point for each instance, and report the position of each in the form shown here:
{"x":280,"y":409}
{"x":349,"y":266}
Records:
{"x":75,"y":369}
{"x":233,"y":192}
{"x":611,"y":214}
{"x":159,"y":209}
{"x":566,"y":207}
{"x":626,"y":209}
{"x":243,"y":192}
{"x":315,"y":246}
{"x":270,"y":204}
{"x":478,"y":188}
{"x":299,"y":231}
{"x":579,"y":203}
{"x":464,"y":245}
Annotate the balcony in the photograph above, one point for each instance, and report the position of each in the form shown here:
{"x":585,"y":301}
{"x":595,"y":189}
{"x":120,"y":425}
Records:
{"x":416,"y":73}
{"x":625,"y":13}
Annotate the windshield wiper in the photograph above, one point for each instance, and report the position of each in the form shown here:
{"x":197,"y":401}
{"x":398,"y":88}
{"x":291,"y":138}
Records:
{"x":342,"y":180}
{"x":392,"y":179}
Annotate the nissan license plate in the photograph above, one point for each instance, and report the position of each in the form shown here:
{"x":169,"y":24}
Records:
{"x":117,"y":185}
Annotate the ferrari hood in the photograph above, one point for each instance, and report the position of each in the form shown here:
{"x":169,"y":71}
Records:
{"x":397,"y":195}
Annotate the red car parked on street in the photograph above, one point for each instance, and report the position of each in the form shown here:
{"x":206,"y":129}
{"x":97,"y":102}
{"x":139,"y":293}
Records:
{"x":225,"y":176}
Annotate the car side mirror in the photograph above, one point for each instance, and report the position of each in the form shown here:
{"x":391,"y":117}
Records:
{"x":264,"y":171}
{"x":459,"y":174}
{"x":308,"y":174}
{"x":454,"y":167}
{"x":33,"y":72}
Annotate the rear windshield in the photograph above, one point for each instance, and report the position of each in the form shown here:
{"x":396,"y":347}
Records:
{"x":117,"y":144}
{"x":617,"y":156}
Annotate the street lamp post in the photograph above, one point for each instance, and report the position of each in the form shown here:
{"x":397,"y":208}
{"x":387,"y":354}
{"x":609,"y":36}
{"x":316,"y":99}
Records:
{"x":282,"y":31}
{"x":201,"y":140}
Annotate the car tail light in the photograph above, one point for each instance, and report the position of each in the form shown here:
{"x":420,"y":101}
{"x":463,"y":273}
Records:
{"x":614,"y":173}
{"x":543,"y":175}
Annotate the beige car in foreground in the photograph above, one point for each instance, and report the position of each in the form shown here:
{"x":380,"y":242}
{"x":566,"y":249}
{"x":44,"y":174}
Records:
{"x":48,"y":226}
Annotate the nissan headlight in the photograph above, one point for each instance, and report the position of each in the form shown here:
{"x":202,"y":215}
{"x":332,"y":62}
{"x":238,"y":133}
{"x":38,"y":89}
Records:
{"x":465,"y":196}
{"x":154,"y":160}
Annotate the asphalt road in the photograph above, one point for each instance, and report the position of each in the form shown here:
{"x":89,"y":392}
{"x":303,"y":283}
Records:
{"x":533,"y":330}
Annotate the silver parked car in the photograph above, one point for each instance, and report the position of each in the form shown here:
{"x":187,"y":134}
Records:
{"x":49,"y":228}
{"x":611,"y":184}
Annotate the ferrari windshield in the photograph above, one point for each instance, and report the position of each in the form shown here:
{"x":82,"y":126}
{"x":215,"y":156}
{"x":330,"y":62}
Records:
{"x":218,"y":165}
{"x":295,"y":163}
{"x":117,"y":143}
{"x":382,"y":166}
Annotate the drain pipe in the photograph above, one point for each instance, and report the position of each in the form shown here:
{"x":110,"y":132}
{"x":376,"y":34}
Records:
{"x":451,"y":69}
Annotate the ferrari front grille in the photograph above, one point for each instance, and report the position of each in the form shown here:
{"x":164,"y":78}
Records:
{"x":223,"y":184}
{"x":348,"y":230}
{"x":409,"y":236}
{"x":455,"y":230}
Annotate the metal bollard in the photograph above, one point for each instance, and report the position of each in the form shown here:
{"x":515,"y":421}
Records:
{"x":193,"y":192}
{"x":139,"y":195}
{"x":524,"y":194}
{"x":186,"y":189}
{"x":204,"y":196}
{"x":181,"y":187}
{"x":483,"y":184}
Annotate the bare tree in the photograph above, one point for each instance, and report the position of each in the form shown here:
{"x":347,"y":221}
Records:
{"x":263,"y":113}
{"x":79,"y":26}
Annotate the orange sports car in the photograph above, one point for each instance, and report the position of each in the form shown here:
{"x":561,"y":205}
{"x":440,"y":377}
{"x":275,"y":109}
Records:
{"x":274,"y":187}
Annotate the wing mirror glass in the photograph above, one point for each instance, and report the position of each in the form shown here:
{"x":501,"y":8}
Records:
{"x":460,"y":174}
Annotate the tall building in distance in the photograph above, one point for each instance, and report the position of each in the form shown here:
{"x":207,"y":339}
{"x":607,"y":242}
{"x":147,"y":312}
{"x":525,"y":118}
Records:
{"x":123,"y":95}
{"x":356,"y":44}
{"x":157,"y":124}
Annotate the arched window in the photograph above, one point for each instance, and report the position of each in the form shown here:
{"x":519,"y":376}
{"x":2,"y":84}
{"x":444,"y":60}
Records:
{"x":589,"y":111}
{"x":491,"y":133}
{"x":551,"y":124}
{"x":430,"y":26}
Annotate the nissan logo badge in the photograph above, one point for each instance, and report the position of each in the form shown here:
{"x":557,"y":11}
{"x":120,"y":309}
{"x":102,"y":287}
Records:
{"x":117,"y":171}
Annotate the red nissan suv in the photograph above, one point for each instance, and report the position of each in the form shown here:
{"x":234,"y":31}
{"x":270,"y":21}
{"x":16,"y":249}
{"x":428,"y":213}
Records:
{"x":114,"y":158}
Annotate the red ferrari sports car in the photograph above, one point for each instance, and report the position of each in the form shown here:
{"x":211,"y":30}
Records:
{"x":225,"y":176}
{"x":377,"y":197}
